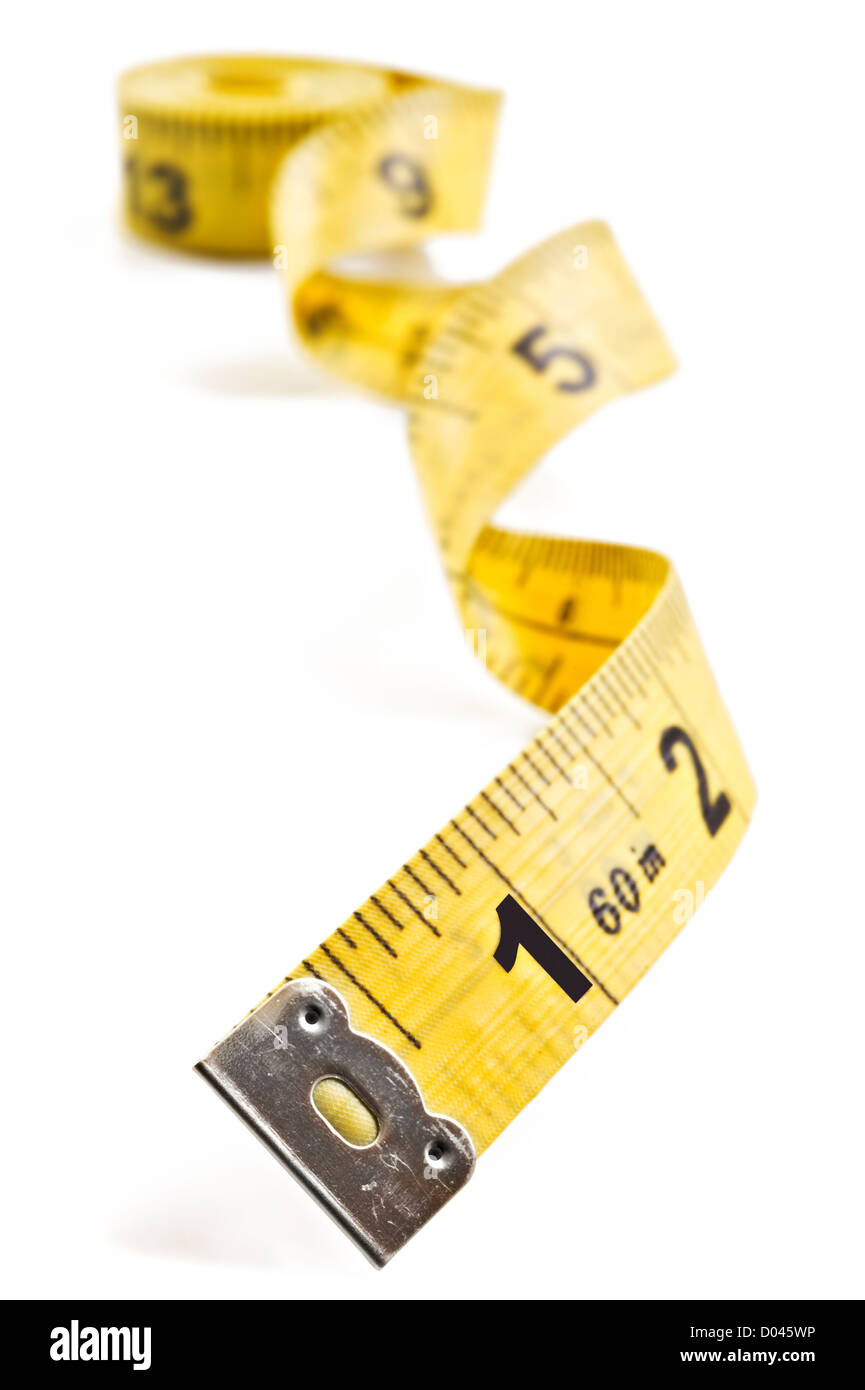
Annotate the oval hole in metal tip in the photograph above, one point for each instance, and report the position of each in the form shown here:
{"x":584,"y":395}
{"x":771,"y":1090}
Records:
{"x":345,"y":1113}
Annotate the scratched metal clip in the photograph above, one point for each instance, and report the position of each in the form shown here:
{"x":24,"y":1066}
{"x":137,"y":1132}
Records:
{"x":267,"y":1069}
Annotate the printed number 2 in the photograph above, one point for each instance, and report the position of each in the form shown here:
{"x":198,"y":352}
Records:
{"x":525,"y":347}
{"x":517,"y":928}
{"x":715,"y":812}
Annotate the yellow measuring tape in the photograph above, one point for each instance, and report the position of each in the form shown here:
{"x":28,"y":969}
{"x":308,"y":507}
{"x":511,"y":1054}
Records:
{"x":466,"y":980}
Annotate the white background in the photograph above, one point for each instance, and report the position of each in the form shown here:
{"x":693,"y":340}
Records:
{"x":174,"y":660}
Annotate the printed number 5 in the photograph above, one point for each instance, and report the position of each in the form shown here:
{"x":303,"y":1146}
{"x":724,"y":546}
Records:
{"x":539,"y":361}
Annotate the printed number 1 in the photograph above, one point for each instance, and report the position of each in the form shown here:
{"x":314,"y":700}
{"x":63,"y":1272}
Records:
{"x":517,"y":928}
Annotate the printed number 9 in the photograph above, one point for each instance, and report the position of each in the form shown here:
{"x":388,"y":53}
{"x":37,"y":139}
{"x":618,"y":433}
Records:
{"x":407,"y":178}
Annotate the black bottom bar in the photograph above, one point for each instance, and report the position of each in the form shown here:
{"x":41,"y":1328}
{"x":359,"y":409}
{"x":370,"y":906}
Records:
{"x":277,"y":1343}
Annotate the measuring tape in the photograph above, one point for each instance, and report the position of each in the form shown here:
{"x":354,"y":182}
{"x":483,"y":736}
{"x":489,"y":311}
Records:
{"x":401,"y":1046}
